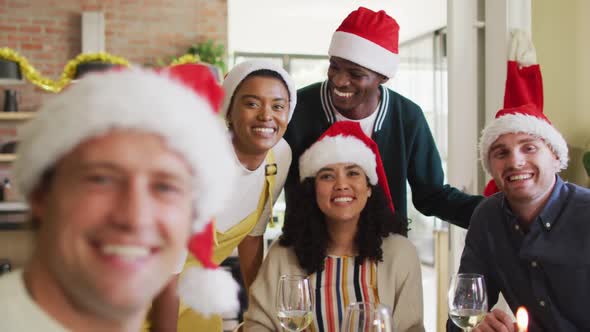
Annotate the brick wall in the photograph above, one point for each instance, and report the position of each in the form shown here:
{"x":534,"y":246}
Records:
{"x":48,"y":32}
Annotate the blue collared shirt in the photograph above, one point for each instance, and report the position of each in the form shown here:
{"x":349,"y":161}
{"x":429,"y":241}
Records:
{"x":547,"y":269}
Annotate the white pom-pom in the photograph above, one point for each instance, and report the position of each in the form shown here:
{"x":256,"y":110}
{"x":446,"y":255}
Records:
{"x":209,"y":291}
{"x":522,"y":49}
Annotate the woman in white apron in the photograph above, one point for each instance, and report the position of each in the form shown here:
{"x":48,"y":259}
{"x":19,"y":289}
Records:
{"x":259,"y":101}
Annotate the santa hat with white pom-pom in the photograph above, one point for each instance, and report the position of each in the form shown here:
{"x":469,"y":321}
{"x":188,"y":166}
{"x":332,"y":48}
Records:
{"x":179,"y":104}
{"x":523,"y":106}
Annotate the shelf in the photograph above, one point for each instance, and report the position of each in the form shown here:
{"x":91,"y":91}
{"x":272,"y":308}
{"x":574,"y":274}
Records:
{"x":7,"y":157}
{"x":13,"y":216}
{"x":11,"y":81}
{"x":13,"y":207}
{"x":16,"y":116}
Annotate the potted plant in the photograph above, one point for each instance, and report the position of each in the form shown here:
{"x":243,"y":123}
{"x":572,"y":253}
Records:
{"x":210,"y":52}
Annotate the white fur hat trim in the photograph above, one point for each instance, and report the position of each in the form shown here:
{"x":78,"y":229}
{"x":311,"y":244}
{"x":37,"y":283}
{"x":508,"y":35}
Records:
{"x":338,"y":149}
{"x":132,"y":99}
{"x":364,"y":52}
{"x":520,"y":123}
{"x":239,"y":73}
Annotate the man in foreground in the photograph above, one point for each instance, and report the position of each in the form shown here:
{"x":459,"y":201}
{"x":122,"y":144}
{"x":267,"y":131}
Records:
{"x":118,"y":171}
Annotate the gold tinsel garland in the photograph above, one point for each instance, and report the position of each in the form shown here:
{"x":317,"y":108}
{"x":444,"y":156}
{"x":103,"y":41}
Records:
{"x":31,"y":74}
{"x":187,"y":58}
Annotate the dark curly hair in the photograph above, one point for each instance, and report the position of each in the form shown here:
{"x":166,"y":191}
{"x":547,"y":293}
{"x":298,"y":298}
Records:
{"x":305,"y":227}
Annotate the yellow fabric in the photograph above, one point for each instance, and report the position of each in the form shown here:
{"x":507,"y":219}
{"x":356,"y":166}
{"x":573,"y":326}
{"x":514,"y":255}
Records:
{"x":225,"y":243}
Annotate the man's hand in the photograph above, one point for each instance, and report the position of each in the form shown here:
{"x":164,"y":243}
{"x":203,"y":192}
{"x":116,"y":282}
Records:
{"x":497,"y":321}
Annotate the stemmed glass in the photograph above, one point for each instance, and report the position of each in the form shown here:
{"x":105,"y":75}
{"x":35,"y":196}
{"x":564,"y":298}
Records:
{"x":468,"y":300}
{"x":367,"y":317}
{"x":294,"y":302}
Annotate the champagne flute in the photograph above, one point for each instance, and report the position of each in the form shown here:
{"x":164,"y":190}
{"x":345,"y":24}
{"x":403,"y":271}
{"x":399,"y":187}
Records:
{"x":294,"y":304}
{"x":367,"y":317}
{"x":468,"y":300}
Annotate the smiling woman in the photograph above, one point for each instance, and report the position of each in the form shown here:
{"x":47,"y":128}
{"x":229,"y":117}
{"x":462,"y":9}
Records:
{"x":259,"y":101}
{"x":342,"y":191}
{"x":258,"y":116}
{"x":345,"y":236}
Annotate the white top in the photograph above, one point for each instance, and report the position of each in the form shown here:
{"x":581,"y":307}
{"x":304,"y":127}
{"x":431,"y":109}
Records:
{"x":367,"y":124}
{"x":19,"y":311}
{"x":248,"y":189}
{"x":247,"y":194}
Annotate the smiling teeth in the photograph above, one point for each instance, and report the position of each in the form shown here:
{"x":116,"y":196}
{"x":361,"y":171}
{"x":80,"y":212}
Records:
{"x":520,"y":177}
{"x":127,"y":252}
{"x":343,"y":199}
{"x":264,"y":130}
{"x":343,"y":94}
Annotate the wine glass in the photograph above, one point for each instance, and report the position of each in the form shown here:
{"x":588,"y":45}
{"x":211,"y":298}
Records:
{"x":468,"y":300}
{"x":367,"y":317}
{"x":294,"y":307}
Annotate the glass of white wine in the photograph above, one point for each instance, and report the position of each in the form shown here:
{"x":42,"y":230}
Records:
{"x":294,"y":302}
{"x":468,"y":300}
{"x":367,"y":317}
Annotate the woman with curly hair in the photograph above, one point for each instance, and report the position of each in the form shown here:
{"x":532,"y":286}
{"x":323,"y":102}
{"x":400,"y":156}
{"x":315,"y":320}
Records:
{"x":345,"y":236}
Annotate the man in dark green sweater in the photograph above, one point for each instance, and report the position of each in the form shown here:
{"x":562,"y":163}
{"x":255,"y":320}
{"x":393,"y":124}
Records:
{"x":363,"y":56}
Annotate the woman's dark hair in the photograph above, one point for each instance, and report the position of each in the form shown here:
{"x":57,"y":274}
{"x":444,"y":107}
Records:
{"x":258,"y":73}
{"x":305,"y":227}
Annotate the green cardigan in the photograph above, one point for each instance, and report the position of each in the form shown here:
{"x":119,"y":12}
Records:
{"x":407,"y":149}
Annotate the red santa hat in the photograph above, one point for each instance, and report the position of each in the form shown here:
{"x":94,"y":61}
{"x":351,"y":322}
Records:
{"x":178,"y":104}
{"x":523,"y":106}
{"x":345,"y":142}
{"x":369,"y":39}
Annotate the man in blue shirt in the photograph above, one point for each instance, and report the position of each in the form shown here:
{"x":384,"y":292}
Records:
{"x":530,"y":241}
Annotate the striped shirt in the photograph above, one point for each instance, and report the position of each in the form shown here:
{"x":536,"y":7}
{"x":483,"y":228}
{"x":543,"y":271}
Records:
{"x":345,"y":279}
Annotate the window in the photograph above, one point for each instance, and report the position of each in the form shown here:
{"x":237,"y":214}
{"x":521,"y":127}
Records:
{"x":422,"y":77}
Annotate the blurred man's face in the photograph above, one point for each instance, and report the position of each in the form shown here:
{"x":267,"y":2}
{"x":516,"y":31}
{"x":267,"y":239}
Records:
{"x":114,"y":218}
{"x":523,"y":167}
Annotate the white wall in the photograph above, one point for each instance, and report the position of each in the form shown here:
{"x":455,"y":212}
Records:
{"x":306,"y":26}
{"x":560,"y":35}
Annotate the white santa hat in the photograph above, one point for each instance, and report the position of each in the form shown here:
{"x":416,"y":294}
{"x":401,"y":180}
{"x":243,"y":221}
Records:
{"x":234,"y":78}
{"x":369,"y":39}
{"x":177,"y":104}
{"x":345,"y":142}
{"x":522,"y":119}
